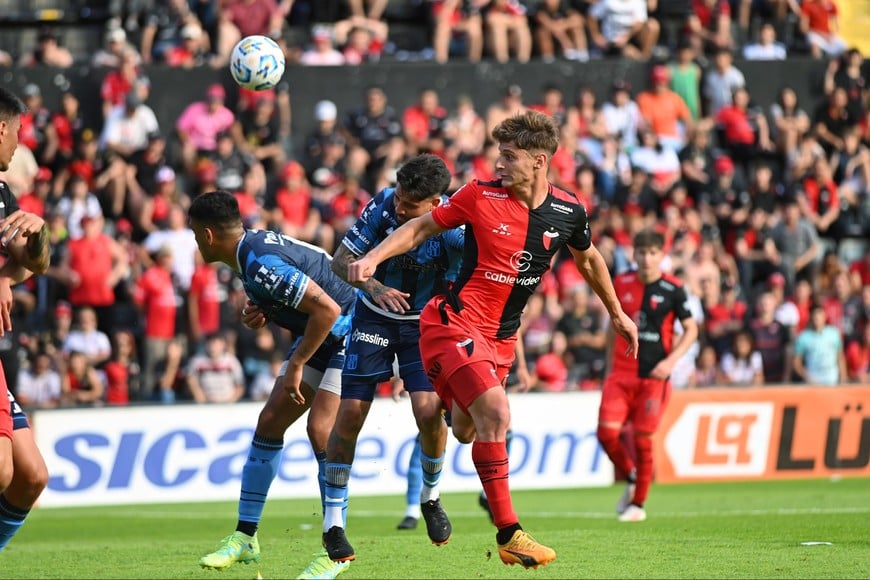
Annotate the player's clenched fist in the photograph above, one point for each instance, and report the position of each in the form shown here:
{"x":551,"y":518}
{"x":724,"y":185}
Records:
{"x":360,"y":270}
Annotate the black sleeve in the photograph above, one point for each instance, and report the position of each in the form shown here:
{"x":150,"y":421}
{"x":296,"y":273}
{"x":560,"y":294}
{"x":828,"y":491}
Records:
{"x":10,"y":202}
{"x":581,"y":238}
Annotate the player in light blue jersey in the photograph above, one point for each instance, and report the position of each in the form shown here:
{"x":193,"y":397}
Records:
{"x":386,"y":326}
{"x":290,"y":283}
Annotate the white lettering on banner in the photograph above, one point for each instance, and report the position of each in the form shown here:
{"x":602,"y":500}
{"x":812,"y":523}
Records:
{"x":720,"y":439}
{"x":196,"y":453}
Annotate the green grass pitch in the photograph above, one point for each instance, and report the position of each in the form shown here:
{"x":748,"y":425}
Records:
{"x":736,"y":530}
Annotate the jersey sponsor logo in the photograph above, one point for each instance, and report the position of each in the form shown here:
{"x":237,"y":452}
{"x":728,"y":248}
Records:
{"x":649,"y":336}
{"x":549,"y":236}
{"x":667,"y":285}
{"x":727,"y":438}
{"x":494,"y":194}
{"x":562,"y":208}
{"x":521,"y":260}
{"x":502,"y":230}
{"x":369,"y":338}
{"x":502,"y":278}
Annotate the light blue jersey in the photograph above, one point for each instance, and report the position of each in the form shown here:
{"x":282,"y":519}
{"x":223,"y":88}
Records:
{"x":276,"y":271}
{"x":422,"y":272}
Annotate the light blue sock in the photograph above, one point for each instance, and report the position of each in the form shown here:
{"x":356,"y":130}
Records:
{"x":257,"y":475}
{"x":337,"y":476}
{"x":11,"y":520}
{"x":431,"y":476}
{"x":415,"y":481}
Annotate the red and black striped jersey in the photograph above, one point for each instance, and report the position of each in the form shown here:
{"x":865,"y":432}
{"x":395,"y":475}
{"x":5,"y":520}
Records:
{"x":653,"y":307}
{"x":508,"y":248}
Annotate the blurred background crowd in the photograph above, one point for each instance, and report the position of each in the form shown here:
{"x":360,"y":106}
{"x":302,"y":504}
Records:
{"x":765,"y":208}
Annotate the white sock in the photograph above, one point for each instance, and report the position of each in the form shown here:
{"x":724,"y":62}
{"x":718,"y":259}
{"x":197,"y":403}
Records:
{"x":413,"y":511}
{"x":429,"y":494}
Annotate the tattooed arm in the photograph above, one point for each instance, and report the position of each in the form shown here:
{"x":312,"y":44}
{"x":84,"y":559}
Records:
{"x":387,"y":298}
{"x":24,"y":237}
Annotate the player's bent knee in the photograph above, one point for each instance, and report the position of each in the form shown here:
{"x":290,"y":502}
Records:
{"x":607,"y":434}
{"x":464,"y":434}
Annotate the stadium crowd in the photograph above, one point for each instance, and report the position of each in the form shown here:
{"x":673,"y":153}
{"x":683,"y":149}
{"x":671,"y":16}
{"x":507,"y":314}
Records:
{"x":765,"y":210}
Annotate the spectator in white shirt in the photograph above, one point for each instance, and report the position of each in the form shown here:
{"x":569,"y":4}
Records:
{"x":217,"y":375}
{"x":721,"y":81}
{"x":742,"y":365}
{"x":39,"y":386}
{"x":767,"y":48}
{"x":323,"y":52}
{"x":86,"y":339}
{"x":622,"y":116}
{"x":623,"y":28}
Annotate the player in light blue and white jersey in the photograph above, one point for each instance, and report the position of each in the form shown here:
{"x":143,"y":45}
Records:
{"x":291,"y":284}
{"x":386,"y":327}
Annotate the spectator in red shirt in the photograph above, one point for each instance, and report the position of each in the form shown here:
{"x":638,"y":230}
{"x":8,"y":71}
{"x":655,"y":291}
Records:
{"x":819,"y":23}
{"x":203,"y":302}
{"x":155,"y":295}
{"x":423,"y":121}
{"x":346,"y":207}
{"x":712,"y":23}
{"x":120,"y":81}
{"x":858,"y":358}
{"x":67,"y":123}
{"x":860,"y":270}
{"x":746,"y":132}
{"x":820,"y":203}
{"x":294,"y":213}
{"x":122,"y":370}
{"x":93,"y":266}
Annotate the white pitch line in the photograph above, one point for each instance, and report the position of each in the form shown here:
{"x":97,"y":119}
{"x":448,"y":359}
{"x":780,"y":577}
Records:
{"x":126,"y":512}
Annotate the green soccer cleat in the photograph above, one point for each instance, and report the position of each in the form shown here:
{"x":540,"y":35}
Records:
{"x":323,"y":567}
{"x":237,"y":547}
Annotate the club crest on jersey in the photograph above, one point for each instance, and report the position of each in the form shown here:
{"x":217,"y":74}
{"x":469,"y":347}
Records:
{"x":655,"y":300}
{"x":549,"y":236}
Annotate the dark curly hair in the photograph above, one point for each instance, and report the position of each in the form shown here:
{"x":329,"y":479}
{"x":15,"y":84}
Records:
{"x":423,"y":176}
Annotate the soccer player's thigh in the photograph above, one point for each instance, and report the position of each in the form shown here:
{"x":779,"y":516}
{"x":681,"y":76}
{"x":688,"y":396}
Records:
{"x":371,"y":349}
{"x":30,"y":475}
{"x":425,"y":402}
{"x":323,"y":374}
{"x":6,"y":428}
{"x":617,"y":397}
{"x":652,"y":399}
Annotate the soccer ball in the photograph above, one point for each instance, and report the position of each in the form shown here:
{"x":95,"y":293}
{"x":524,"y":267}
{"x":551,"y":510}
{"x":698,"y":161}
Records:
{"x":257,"y":63}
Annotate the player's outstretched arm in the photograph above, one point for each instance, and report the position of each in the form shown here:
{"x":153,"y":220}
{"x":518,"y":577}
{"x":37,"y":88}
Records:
{"x":384,"y":296}
{"x":594,"y":270}
{"x":406,"y":238}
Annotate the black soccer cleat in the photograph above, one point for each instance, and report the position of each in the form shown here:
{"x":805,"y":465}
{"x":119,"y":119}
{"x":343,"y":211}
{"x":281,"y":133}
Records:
{"x":337,"y":546}
{"x":408,"y":523}
{"x":437,"y":523}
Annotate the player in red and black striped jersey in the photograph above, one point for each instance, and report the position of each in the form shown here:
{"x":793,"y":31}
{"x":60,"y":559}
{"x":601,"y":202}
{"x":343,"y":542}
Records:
{"x":25,"y":251}
{"x":637,"y":388}
{"x":513,"y":228}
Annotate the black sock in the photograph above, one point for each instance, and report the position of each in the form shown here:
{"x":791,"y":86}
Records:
{"x":505,"y":534}
{"x":249,"y":528}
